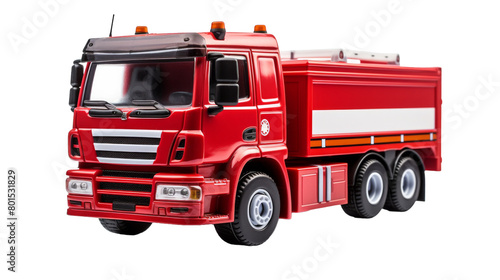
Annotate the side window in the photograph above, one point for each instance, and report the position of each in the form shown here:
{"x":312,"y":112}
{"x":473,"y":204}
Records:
{"x":268,"y":79}
{"x":243,"y":78}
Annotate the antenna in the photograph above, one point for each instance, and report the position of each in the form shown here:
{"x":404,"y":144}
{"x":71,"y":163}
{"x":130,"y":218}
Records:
{"x":111,"y":30}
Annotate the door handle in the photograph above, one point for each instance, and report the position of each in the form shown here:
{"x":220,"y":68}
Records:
{"x":250,"y":134}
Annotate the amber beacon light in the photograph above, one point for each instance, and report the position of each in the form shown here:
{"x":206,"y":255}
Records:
{"x":141,"y":30}
{"x":218,"y":28}
{"x":260,"y":28}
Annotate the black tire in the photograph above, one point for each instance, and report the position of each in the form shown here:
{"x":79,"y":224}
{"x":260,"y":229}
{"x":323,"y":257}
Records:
{"x":361,"y":193}
{"x":124,"y":227}
{"x":405,"y":187}
{"x":242,"y":231}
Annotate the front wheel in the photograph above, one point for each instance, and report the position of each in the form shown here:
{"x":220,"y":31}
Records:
{"x":257,"y":211}
{"x":124,"y":227}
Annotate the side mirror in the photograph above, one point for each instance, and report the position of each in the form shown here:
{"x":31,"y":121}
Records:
{"x":227,"y":94}
{"x":76,"y":74}
{"x":226,"y":70}
{"x":226,"y":75}
{"x":74,"y":93}
{"x":76,"y":81}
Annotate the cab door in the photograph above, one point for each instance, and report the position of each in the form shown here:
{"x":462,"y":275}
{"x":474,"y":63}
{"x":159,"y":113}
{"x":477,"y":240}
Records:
{"x":270,"y":97}
{"x":234,"y":126}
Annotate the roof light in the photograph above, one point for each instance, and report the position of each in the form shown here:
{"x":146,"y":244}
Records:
{"x":260,"y":28}
{"x":141,"y":30}
{"x":341,"y":55}
{"x":218,"y":29}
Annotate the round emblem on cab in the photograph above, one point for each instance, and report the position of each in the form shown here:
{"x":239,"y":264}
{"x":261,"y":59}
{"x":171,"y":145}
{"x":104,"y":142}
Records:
{"x":264,"y":127}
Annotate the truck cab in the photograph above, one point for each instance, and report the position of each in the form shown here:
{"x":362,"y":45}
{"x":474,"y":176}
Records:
{"x":165,"y":123}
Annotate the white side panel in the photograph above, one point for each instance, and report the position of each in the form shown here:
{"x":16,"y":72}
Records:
{"x":372,"y":120}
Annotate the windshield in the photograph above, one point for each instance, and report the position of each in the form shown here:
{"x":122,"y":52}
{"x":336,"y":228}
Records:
{"x":170,"y":83}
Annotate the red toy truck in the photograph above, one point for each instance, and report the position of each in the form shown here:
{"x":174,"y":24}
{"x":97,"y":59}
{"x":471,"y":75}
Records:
{"x":218,"y":128}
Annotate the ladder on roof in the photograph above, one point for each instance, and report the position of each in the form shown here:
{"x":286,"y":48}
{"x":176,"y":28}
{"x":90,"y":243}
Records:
{"x":342,"y":55}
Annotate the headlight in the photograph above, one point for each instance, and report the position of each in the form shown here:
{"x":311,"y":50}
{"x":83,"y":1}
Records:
{"x":79,"y":187}
{"x":172,"y":192}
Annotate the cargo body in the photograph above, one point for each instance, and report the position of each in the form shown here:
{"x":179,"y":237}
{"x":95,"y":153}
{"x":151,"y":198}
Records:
{"x":216,"y":128}
{"x":337,"y":109}
{"x":339,"y":112}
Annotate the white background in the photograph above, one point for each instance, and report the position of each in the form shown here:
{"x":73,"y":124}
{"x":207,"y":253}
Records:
{"x":454,"y":235}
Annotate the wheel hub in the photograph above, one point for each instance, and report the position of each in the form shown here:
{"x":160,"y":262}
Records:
{"x":408,"y":183}
{"x":260,"y":209}
{"x":374,"y":188}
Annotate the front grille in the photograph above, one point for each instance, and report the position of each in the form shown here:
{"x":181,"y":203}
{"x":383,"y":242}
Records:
{"x":137,"y":200}
{"x":126,"y":146}
{"x":116,"y":194}
{"x":125,"y":187}
{"x":128,"y":174}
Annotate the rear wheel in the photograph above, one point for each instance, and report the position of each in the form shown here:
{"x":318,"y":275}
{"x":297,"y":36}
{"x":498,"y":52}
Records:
{"x":405,"y":187}
{"x":367,"y":195}
{"x":124,"y":227}
{"x":257,"y":211}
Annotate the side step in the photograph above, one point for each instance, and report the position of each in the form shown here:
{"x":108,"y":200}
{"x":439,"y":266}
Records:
{"x":216,"y":217}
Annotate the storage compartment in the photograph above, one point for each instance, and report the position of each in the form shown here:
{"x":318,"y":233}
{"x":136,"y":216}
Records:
{"x":317,"y":186}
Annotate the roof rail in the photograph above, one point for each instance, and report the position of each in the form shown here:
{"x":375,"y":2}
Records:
{"x":343,"y":56}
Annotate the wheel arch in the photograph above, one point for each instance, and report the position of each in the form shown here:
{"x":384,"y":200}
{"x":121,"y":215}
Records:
{"x":421,"y":167}
{"x":233,"y":170}
{"x":276,"y":171}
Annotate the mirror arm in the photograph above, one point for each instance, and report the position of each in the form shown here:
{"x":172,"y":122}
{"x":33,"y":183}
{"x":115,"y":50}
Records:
{"x":214,"y":110}
{"x":214,"y":56}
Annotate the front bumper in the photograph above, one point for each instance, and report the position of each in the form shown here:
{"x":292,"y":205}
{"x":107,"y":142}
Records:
{"x":127,"y":198}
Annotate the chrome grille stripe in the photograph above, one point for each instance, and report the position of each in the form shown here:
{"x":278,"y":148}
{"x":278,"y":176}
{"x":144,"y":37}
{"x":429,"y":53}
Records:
{"x":126,"y":148}
{"x":126,"y":161}
{"x":126,"y":133}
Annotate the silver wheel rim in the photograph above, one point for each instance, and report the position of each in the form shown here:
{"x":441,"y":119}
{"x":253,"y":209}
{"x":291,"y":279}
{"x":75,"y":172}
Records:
{"x":408,"y":183}
{"x":374,"y":188}
{"x":260,"y":209}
